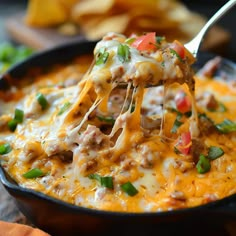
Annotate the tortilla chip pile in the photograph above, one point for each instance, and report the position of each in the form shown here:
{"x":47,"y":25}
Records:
{"x":95,"y":18}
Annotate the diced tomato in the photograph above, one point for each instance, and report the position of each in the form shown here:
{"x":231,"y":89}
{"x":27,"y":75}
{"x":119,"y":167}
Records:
{"x":183,"y":143}
{"x":145,"y":42}
{"x":183,"y":102}
{"x":179,"y":48}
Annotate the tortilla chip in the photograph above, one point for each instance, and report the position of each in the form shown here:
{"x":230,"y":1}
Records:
{"x":92,"y":7}
{"x":68,"y":5}
{"x":97,"y":17}
{"x":44,"y":15}
{"x":116,"y":24}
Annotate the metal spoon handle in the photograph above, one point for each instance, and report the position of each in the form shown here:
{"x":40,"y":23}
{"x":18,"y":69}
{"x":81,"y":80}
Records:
{"x":194,"y":44}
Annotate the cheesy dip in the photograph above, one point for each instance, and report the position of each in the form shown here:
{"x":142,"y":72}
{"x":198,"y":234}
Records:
{"x":131,"y":129}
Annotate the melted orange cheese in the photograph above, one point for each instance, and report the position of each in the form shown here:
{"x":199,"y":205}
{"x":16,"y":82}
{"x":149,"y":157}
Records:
{"x":135,"y":147}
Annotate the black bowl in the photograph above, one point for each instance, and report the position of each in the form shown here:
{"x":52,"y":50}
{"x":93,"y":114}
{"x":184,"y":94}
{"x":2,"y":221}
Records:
{"x":61,"y":218}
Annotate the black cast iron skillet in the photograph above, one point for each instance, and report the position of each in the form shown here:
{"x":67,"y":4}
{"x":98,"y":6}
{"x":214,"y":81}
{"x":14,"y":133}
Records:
{"x":60,"y":218}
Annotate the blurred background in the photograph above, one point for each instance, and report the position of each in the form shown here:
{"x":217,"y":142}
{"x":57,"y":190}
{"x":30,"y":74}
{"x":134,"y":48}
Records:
{"x":41,"y":26}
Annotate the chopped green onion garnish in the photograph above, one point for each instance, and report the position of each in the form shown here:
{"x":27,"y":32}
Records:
{"x":106,"y":181}
{"x":95,"y":176}
{"x":203,"y":164}
{"x":64,"y":108}
{"x":172,"y":51}
{"x":226,"y":126}
{"x":101,"y":56}
{"x":42,"y":100}
{"x":205,"y":118}
{"x":33,"y":173}
{"x":19,"y":115}
{"x":176,"y":150}
{"x":12,"y":124}
{"x":222,"y":107}
{"x":10,"y":54}
{"x":129,"y":189}
{"x":177,"y":123}
{"x":7,"y":52}
{"x":123,"y":53}
{"x":130,"y":40}
{"x":132,"y":108}
{"x":215,"y":152}
{"x":107,"y":119}
{"x":5,"y":148}
{"x":187,"y":114}
{"x":159,"y":39}
{"x":18,"y":118}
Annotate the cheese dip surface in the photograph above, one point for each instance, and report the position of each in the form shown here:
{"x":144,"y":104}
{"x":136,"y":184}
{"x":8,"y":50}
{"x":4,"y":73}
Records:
{"x":96,"y":136}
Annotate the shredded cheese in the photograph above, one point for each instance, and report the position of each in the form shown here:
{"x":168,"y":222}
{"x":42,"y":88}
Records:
{"x":122,"y":132}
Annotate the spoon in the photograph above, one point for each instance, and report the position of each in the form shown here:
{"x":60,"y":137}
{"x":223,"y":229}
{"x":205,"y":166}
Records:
{"x":194,"y":44}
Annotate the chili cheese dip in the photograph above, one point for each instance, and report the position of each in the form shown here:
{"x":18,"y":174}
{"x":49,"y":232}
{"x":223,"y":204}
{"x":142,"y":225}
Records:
{"x":95,"y":134}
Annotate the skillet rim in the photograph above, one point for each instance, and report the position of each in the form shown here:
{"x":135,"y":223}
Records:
{"x":87,"y":47}
{"x":30,"y":192}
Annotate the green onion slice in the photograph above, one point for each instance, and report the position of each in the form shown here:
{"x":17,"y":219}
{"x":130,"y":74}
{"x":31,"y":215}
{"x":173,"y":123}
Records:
{"x":64,"y":108}
{"x":42,"y":101}
{"x":5,"y":148}
{"x":163,"y":64}
{"x":18,"y":118}
{"x":33,"y":173}
{"x":176,"y":150}
{"x":204,"y":118}
{"x":177,"y":123}
{"x":159,"y":39}
{"x":10,"y":54}
{"x":215,"y":152}
{"x":203,"y":164}
{"x":95,"y":176}
{"x":12,"y":124}
{"x":107,"y":119}
{"x":106,"y":181}
{"x":123,"y":53}
{"x":222,"y":107}
{"x":132,"y":108}
{"x":129,"y":189}
{"x":130,"y":40}
{"x":172,"y":51}
{"x":226,"y":126}
{"x":101,"y":56}
{"x":187,"y":114}
{"x":19,"y":115}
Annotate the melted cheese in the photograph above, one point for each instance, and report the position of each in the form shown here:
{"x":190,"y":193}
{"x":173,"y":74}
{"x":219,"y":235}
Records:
{"x":124,"y":135}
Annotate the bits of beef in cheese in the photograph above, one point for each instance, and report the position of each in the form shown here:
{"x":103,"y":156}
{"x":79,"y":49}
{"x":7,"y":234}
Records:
{"x":140,"y":60}
{"x":79,"y":135}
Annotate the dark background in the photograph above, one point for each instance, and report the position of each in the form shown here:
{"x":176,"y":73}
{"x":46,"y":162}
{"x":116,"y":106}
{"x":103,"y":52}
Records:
{"x":228,"y":22}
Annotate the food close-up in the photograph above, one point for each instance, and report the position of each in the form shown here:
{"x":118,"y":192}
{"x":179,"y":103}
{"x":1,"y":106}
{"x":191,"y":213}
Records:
{"x":102,"y":139}
{"x":131,"y":122}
